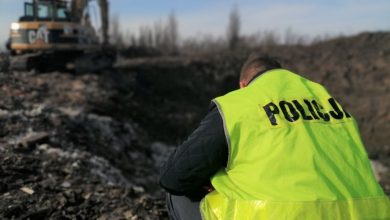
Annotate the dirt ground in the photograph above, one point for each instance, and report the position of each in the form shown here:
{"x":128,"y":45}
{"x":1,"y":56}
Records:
{"x":89,"y":146}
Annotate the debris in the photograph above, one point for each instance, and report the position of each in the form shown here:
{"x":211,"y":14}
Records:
{"x":380,"y":170}
{"x":138,"y":189}
{"x":3,"y":187}
{"x":87,"y":196}
{"x":43,"y":147}
{"x":161,"y":152}
{"x":128,"y":215}
{"x":32,"y":138}
{"x":27,"y":190}
{"x":66,"y":184}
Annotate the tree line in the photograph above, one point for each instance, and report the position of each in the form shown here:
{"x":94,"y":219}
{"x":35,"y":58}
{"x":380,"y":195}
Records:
{"x":164,"y":36}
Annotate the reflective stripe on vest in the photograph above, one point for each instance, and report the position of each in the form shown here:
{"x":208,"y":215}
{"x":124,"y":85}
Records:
{"x":294,"y":153}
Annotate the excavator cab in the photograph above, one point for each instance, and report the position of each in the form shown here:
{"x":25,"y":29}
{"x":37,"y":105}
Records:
{"x":48,"y":25}
{"x":46,"y":11}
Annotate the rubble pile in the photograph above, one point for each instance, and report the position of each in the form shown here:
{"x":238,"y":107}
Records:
{"x":69,"y":184}
{"x":59,"y":159}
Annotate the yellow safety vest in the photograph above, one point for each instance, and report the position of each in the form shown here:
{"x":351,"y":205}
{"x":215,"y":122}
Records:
{"x":294,"y":153}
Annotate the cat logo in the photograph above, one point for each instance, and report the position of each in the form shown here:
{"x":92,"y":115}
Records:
{"x":40,"y":36}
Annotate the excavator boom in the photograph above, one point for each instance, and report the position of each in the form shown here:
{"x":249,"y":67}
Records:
{"x":78,"y":8}
{"x":104,"y":18}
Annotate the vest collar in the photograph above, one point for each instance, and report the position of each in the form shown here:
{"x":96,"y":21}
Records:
{"x":259,"y":74}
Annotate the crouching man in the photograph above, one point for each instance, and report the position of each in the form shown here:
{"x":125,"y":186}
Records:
{"x":280,"y":147}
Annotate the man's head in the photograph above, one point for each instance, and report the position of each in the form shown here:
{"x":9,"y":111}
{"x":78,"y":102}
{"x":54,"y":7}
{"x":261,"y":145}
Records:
{"x":254,"y":64}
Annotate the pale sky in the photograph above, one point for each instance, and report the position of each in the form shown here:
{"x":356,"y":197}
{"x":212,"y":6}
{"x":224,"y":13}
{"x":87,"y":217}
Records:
{"x":210,"y":17}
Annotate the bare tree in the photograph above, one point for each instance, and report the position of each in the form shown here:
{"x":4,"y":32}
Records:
{"x":233,"y":29}
{"x":116,"y":34}
{"x":145,"y":36}
{"x":291,"y":38}
{"x":270,"y":38}
{"x":158,"y":31}
{"x":162,"y":35}
{"x":172,"y":35}
{"x":133,"y":40}
{"x":166,"y":36}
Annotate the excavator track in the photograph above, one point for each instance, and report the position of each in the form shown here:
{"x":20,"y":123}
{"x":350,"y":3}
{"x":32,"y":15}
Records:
{"x":22,"y":62}
{"x":41,"y":62}
{"x":4,"y":62}
{"x":76,"y":62}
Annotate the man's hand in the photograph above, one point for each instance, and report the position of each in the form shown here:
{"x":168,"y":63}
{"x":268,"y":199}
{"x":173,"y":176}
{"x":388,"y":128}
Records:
{"x":209,"y":188}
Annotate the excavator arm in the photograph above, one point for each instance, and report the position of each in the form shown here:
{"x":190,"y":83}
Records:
{"x":104,"y":19}
{"x":78,"y":7}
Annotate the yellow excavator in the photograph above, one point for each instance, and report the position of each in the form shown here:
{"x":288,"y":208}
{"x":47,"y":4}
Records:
{"x":58,"y":34}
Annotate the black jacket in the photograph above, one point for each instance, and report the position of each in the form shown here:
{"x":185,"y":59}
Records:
{"x":189,"y":168}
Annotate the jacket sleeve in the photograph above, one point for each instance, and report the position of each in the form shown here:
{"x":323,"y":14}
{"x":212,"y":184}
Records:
{"x":190,"y":167}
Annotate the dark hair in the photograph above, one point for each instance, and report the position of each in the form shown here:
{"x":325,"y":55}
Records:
{"x":260,"y":63}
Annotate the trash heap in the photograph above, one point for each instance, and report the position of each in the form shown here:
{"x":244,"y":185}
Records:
{"x":59,"y":159}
